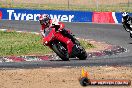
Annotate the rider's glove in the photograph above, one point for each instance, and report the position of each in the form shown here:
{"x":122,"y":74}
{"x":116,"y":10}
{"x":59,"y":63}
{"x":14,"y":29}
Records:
{"x":42,"y":33}
{"x":57,"y":28}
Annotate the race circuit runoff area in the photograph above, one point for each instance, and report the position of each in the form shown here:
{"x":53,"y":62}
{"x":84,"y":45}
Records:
{"x":109,"y":33}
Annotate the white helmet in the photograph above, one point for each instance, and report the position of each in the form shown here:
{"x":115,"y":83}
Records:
{"x":44,"y":19}
{"x":124,"y":14}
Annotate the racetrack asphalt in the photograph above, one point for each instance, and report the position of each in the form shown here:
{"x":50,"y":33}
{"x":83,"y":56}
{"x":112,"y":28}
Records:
{"x":109,"y":33}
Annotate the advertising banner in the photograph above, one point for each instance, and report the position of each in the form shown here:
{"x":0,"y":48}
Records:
{"x":107,"y":17}
{"x":0,"y":15}
{"x":28,"y":14}
{"x":61,"y":15}
{"x":103,"y":17}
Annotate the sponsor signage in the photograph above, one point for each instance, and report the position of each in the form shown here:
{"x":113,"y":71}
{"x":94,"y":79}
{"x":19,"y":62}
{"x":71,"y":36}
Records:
{"x":0,"y":15}
{"x":64,"y":16}
{"x":61,"y":15}
{"x":86,"y":81}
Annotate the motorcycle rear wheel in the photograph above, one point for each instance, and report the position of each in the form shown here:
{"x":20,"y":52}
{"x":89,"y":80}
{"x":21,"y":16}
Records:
{"x":82,"y":55}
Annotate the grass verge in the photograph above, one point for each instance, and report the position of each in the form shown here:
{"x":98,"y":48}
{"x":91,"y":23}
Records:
{"x":117,"y":7}
{"x":14,"y":43}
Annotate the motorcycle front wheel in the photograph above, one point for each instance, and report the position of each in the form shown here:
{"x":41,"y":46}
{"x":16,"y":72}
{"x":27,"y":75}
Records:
{"x":130,"y":35}
{"x":126,"y":28}
{"x":61,"y":51}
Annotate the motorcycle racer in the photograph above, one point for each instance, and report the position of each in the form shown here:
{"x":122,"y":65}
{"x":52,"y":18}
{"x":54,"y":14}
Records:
{"x":46,"y":26}
{"x":127,"y":20}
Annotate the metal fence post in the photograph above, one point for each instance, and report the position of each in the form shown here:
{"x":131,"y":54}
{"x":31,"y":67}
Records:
{"x":12,"y":3}
{"x":97,"y":4}
{"x":128,"y":3}
{"x":68,"y":3}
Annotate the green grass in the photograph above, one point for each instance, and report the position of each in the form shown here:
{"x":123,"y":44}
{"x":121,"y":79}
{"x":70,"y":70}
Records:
{"x":14,"y":43}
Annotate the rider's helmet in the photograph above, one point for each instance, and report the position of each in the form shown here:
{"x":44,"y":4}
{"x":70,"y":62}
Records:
{"x":44,"y":19}
{"x":125,"y":15}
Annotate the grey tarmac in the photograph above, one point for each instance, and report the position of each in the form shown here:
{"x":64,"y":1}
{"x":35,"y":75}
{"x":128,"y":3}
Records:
{"x":110,"y":33}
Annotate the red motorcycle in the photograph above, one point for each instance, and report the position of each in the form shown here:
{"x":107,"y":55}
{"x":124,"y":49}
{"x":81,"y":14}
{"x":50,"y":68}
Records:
{"x":61,"y":49}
